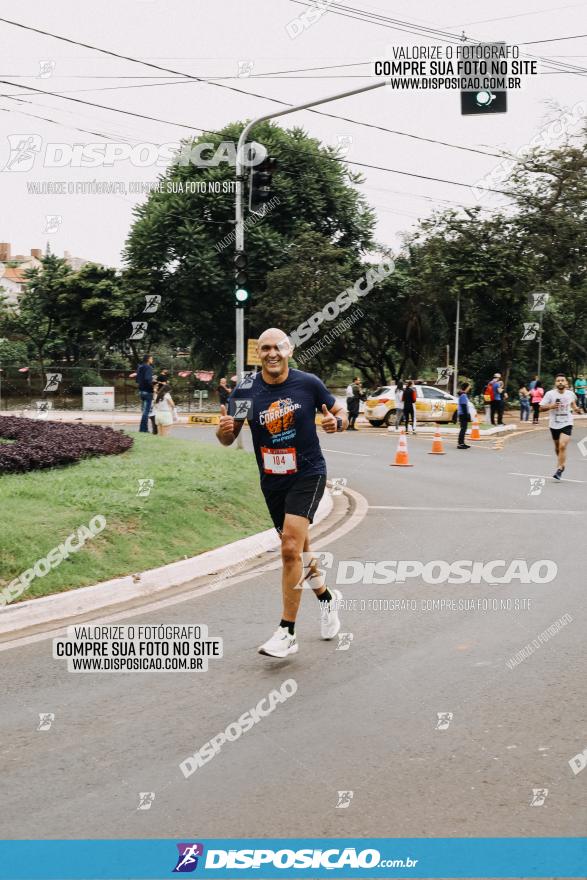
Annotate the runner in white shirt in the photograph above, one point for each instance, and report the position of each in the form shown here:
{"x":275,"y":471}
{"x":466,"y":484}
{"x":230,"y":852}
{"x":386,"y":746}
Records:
{"x":561,"y":402}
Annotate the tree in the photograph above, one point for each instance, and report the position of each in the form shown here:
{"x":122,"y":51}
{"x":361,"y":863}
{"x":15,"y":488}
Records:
{"x":397,"y":332}
{"x":38,"y":320}
{"x":490,"y":266}
{"x":314,"y":273}
{"x":551,"y":195}
{"x":95,"y":313}
{"x":185,"y":238}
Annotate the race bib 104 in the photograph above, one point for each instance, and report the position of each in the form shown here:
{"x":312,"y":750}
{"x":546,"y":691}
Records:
{"x":279,"y":461}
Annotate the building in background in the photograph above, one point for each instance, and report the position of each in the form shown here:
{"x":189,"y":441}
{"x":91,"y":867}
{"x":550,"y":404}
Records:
{"x":12,"y":269}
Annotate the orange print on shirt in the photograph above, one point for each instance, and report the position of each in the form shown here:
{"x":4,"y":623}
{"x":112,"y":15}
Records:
{"x":280,"y":423}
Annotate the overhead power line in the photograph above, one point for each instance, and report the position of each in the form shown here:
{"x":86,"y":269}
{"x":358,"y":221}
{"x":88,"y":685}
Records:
{"x":554,"y":40}
{"x":207,"y":131}
{"x":421,"y":31}
{"x":240,"y":91}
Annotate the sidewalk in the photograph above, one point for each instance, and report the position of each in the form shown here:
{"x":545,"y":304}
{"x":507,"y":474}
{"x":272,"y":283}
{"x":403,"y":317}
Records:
{"x":114,"y":417}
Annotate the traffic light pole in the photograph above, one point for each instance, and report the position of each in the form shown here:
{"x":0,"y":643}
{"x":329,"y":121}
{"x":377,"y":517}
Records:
{"x":239,"y":203}
{"x":455,"y":377}
{"x":540,"y":345}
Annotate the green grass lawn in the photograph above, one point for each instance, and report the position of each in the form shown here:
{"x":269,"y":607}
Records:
{"x":203,"y":497}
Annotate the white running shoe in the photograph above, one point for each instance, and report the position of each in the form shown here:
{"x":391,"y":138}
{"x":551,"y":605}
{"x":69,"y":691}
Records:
{"x":329,"y":619}
{"x":281,"y":644}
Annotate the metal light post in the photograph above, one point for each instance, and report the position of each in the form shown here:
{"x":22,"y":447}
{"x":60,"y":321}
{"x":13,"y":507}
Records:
{"x":540,"y":299}
{"x":239,"y":203}
{"x":456,"y":365}
{"x":540,"y":345}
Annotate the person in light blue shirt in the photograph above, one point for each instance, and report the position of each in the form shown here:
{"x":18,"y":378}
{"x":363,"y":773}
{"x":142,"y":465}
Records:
{"x":581,"y":392}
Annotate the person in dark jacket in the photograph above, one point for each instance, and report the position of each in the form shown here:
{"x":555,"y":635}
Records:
{"x":463,"y":414}
{"x":409,"y":401}
{"x":353,"y":402}
{"x":144,"y":380}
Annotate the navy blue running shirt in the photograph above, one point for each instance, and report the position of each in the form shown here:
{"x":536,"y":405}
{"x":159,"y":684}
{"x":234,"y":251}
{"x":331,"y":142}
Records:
{"x":282,"y":422}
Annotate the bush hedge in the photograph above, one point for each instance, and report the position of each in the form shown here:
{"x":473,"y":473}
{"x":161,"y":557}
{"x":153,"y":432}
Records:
{"x":44,"y":444}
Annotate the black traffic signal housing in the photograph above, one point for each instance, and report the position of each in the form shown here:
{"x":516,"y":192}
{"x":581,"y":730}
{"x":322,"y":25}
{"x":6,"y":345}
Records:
{"x":260,"y":183}
{"x":483,"y":101}
{"x":241,"y":279}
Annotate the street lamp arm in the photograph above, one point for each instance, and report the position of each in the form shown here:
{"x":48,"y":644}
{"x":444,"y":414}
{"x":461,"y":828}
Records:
{"x":240,"y":232}
{"x":239,"y":209}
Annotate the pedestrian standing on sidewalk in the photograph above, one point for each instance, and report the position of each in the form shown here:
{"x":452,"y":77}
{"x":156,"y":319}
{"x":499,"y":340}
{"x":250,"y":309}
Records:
{"x":581,"y":392}
{"x":536,"y":395}
{"x":144,"y":380}
{"x":399,"y":404}
{"x":409,"y":401}
{"x":164,"y":407}
{"x":152,"y":411}
{"x":501,"y":409}
{"x":353,"y":402}
{"x":496,"y":400}
{"x":223,"y":392}
{"x":493,"y":389}
{"x":463,"y":414}
{"x":524,"y":396}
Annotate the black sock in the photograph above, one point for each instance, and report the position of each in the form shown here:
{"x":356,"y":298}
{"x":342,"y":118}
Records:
{"x":326,"y":596}
{"x":290,"y":624}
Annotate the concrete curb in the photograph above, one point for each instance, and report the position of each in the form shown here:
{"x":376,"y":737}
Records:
{"x":485,"y":432}
{"x":112,"y":419}
{"x":138,"y":589}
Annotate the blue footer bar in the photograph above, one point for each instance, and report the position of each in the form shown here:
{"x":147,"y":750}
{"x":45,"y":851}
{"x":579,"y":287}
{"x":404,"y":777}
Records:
{"x":293,"y":857}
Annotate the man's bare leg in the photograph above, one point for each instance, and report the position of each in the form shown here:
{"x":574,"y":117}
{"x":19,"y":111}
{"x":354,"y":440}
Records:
{"x":563,"y":442}
{"x":294,"y":538}
{"x":294,"y":528}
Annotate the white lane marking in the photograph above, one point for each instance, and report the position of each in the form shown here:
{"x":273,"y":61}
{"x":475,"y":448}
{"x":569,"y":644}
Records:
{"x":543,"y":477}
{"x":479,"y":510}
{"x":542,"y":454}
{"x":347,"y":525}
{"x":340,"y":452}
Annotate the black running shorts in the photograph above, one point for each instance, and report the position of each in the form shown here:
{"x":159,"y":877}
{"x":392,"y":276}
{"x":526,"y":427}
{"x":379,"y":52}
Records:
{"x":298,"y":495}
{"x":556,"y":432}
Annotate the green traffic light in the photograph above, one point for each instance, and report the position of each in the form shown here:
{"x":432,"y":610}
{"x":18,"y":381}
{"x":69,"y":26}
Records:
{"x":242,"y":295}
{"x":484,"y":98}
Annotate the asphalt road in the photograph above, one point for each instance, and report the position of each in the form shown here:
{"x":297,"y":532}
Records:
{"x":363,"y":720}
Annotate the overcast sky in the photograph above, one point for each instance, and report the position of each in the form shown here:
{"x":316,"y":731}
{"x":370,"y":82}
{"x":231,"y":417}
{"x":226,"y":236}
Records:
{"x":209,"y":39}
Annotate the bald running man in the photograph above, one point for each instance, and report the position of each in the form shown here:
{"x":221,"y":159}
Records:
{"x":280,"y":405}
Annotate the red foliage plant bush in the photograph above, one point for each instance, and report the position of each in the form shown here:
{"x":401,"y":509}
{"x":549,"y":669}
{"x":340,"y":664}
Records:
{"x":44,"y":444}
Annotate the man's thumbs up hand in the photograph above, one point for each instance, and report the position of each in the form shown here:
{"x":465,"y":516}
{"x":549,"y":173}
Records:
{"x":225,"y":426}
{"x":328,"y":420}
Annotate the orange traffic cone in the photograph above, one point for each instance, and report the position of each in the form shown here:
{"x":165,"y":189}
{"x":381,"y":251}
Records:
{"x":475,"y":435}
{"x":401,"y":456}
{"x":437,"y":447}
